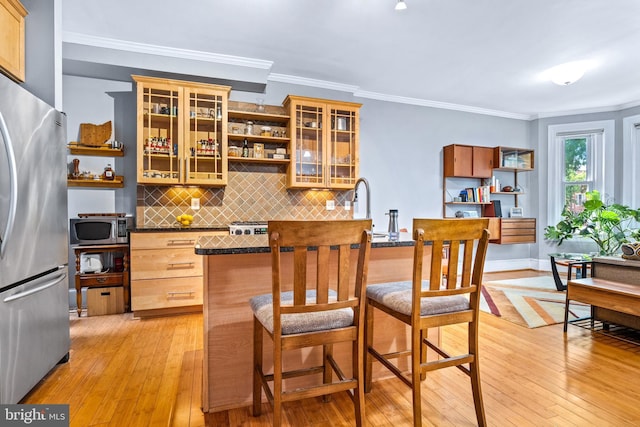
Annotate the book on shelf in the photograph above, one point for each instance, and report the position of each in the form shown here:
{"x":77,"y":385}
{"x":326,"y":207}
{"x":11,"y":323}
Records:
{"x":480,"y":194}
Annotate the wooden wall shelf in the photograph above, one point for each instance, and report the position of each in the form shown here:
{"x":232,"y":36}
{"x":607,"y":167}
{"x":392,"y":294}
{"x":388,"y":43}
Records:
{"x":105,"y":151}
{"x":117,"y":182}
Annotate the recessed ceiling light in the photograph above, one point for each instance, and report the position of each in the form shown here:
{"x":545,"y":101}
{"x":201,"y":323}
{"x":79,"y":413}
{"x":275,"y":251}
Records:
{"x":401,"y":5}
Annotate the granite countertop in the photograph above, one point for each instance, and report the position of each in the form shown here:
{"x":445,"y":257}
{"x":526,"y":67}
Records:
{"x":251,"y":244}
{"x":177,"y":228}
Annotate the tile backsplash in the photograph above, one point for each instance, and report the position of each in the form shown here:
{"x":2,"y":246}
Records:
{"x":253,"y":193}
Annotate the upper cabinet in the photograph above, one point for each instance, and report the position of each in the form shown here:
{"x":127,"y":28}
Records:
{"x":324,"y":143}
{"x":466,"y":161}
{"x":12,"y":15}
{"x":182,"y":132}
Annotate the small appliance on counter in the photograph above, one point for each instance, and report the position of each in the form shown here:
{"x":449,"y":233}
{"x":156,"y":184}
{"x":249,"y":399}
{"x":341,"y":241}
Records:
{"x":238,"y":228}
{"x":100,"y":229}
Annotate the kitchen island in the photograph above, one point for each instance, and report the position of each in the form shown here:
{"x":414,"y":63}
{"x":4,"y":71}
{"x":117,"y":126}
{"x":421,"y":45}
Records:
{"x":237,"y":268}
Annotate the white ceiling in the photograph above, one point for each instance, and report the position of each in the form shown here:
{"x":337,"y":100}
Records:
{"x":474,"y":55}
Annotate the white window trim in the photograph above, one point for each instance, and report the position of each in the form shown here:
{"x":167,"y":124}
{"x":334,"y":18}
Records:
{"x":630,"y":155}
{"x":603,"y":158}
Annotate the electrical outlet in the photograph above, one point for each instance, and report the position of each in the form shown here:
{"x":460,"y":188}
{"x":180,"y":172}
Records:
{"x":347,"y":205}
{"x":195,"y":203}
{"x":330,"y":205}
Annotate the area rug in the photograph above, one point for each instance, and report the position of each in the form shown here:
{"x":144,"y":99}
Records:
{"x":531,"y":302}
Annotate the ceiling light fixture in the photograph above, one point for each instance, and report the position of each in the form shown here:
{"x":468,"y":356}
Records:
{"x":401,"y":5}
{"x":568,"y":73}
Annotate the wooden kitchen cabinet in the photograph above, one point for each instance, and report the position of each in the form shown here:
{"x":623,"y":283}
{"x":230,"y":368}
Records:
{"x":12,"y":50}
{"x":166,"y":274}
{"x":324,"y":143}
{"x":182,"y":132}
{"x":466,"y":161}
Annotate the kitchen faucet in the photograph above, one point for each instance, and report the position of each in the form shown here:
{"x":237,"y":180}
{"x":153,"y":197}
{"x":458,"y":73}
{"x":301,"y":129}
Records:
{"x":355,"y":194}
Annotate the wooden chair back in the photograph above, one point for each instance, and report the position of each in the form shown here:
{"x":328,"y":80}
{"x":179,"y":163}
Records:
{"x":332,"y":281}
{"x":458,"y":246}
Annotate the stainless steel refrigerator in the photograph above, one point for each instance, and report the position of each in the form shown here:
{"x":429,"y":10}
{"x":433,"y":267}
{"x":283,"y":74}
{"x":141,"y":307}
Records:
{"x":34,"y":302}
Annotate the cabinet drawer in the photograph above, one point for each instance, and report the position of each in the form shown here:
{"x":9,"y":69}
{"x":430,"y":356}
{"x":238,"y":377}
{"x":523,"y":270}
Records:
{"x":166,"y":293}
{"x":169,"y":240}
{"x":518,"y":231}
{"x":95,"y":280}
{"x":163,"y":263}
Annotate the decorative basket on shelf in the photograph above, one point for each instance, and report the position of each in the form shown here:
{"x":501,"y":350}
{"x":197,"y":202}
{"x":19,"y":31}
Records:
{"x":95,"y":135}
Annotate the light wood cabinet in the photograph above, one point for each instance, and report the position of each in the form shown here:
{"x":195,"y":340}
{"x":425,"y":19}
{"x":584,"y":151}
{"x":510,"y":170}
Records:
{"x":182,"y":132}
{"x":166,"y":274}
{"x":12,"y":51}
{"x":324,"y":143}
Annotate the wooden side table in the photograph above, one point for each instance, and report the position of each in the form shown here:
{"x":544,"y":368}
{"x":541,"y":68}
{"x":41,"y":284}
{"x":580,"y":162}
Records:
{"x":100,"y":280}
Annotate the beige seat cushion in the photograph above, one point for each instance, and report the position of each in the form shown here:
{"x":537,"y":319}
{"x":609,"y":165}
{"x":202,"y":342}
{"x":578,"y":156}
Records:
{"x":397,"y":296}
{"x":262,"y":306}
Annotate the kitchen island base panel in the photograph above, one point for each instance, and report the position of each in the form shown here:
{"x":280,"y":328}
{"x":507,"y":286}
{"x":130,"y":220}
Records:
{"x":232,"y":279}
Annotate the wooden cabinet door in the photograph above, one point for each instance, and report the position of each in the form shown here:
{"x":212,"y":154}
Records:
{"x":482,"y":162}
{"x":12,"y":54}
{"x":458,"y":161}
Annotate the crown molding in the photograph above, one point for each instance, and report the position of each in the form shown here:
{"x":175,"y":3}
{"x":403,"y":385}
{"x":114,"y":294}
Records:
{"x":324,"y":84}
{"x":109,"y":43}
{"x":441,"y":105}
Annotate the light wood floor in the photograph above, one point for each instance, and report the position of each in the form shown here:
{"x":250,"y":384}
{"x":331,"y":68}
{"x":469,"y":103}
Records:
{"x":131,"y":372}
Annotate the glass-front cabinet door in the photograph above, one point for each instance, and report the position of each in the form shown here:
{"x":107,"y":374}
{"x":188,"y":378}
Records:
{"x":206,"y":138}
{"x":307,"y":146}
{"x":324,"y":143}
{"x":182,"y":132}
{"x":158,"y":134}
{"x":343,"y":147}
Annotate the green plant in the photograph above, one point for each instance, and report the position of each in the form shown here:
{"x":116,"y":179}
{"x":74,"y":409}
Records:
{"x":609,"y":226}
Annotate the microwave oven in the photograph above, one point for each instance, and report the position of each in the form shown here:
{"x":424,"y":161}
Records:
{"x":100,"y":230}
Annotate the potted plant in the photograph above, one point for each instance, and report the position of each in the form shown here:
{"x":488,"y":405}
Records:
{"x":608,"y":225}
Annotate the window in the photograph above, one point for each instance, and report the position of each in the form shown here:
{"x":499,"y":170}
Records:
{"x":578,"y":162}
{"x":577,"y":174}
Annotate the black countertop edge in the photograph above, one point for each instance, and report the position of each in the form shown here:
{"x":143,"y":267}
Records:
{"x":171,"y":229}
{"x":233,"y":245}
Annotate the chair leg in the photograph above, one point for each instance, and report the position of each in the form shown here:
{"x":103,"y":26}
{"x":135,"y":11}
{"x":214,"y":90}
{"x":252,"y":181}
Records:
{"x":423,"y":352}
{"x":358,"y":351}
{"x":477,"y":392}
{"x":368,"y":329}
{"x":416,"y":374}
{"x":257,"y":367}
{"x":327,"y":352}
{"x":566,"y":312}
{"x":474,"y":373}
{"x":277,"y":385}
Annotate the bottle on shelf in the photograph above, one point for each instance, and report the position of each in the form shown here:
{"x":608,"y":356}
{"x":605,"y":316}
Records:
{"x":245,"y":148}
{"x":108,"y":174}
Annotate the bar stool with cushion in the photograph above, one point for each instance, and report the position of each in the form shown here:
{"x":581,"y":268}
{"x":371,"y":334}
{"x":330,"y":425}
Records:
{"x":428,"y":304}
{"x":317,"y":300}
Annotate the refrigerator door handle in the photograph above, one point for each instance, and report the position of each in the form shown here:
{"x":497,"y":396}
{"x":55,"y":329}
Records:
{"x":40,"y":288}
{"x":13,"y":183}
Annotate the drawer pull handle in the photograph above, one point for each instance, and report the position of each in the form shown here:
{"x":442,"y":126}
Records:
{"x":182,"y":242}
{"x":179,"y":264}
{"x":101,"y":279}
{"x":179,"y":293}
